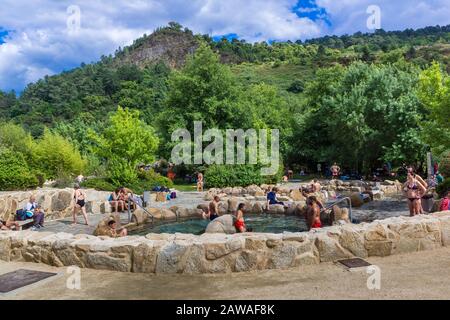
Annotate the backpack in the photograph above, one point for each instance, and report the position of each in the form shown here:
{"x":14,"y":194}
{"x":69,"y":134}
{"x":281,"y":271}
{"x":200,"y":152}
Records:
{"x":173,"y":195}
{"x":21,"y":215}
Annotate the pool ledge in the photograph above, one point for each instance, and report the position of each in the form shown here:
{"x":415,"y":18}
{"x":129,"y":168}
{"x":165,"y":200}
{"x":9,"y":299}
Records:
{"x":219,"y":253}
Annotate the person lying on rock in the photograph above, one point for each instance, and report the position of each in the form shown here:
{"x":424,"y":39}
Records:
{"x":113,"y":232}
{"x":9,"y":225}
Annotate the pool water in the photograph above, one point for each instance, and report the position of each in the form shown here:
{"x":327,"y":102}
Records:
{"x":260,"y":223}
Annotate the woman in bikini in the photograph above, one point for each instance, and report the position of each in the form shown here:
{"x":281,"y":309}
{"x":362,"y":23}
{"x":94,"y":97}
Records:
{"x":79,"y":204}
{"x":414,"y":190}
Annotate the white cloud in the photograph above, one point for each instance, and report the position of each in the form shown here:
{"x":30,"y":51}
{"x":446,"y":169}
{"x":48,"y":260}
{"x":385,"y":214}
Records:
{"x":349,"y":16}
{"x":41,"y":43}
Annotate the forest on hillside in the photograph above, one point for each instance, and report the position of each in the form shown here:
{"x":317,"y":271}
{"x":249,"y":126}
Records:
{"x":359,"y":100}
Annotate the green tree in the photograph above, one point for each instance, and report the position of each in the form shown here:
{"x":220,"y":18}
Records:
{"x":434,"y":93}
{"x":54,"y":155}
{"x":123,"y":144}
{"x":15,"y":172}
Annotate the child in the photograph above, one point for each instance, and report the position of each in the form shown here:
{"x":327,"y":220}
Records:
{"x":240,"y":223}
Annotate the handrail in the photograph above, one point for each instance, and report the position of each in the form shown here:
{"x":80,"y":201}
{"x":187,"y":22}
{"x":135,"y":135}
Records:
{"x":349,"y":201}
{"x":145,"y":210}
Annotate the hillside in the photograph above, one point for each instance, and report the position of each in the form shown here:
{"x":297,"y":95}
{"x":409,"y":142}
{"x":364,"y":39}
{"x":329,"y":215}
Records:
{"x":361,"y":100}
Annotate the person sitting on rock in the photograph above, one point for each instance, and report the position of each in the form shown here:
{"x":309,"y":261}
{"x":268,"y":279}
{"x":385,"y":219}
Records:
{"x":113,"y":232}
{"x":240,"y":222}
{"x":127,"y":195}
{"x":9,"y":225}
{"x":38,"y":217}
{"x":116,"y":203}
{"x":272,"y":197}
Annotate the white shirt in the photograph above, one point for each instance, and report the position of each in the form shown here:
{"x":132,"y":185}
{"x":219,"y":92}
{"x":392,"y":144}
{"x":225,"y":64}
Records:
{"x":30,"y":206}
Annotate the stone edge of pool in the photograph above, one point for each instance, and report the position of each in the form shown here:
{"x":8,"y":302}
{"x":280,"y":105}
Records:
{"x":220,"y":253}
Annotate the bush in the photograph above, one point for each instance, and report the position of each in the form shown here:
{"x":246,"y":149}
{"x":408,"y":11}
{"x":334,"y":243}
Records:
{"x":14,"y":172}
{"x":100,"y":184}
{"x":220,"y":176}
{"x":54,"y":154}
{"x":443,"y":188}
{"x":152,"y":179}
{"x":444,"y":164}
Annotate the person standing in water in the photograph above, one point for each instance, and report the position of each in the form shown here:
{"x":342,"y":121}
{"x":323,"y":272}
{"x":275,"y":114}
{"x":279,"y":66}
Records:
{"x":79,"y":204}
{"x":214,"y":208}
{"x":335,"y":170}
{"x":414,"y":191}
{"x":200,"y":182}
{"x":314,"y":207}
{"x":240,"y":222}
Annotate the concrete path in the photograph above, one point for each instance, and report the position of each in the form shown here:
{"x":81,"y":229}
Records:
{"x":422,"y":275}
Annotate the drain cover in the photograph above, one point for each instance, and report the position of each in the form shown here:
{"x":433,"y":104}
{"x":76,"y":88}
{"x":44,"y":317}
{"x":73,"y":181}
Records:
{"x":21,"y":278}
{"x":354,"y":263}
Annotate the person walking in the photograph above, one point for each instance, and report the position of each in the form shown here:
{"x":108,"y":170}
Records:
{"x":79,"y":198}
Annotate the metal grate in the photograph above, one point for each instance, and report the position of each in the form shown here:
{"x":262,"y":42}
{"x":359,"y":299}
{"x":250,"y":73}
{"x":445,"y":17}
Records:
{"x":20,"y":278}
{"x":354,"y":263}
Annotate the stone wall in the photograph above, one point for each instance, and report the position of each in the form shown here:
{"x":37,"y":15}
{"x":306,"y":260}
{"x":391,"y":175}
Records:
{"x":285,"y":193}
{"x":219,"y":253}
{"x":56,"y":203}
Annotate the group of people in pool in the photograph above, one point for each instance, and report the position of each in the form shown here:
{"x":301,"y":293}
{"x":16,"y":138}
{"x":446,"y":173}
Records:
{"x":312,"y":214}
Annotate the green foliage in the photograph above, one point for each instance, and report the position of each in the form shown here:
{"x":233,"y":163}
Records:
{"x":151,"y":179}
{"x":100,"y":184}
{"x":359,"y":116}
{"x":124,"y":143}
{"x":14,"y":171}
{"x":434,"y":93}
{"x":53,"y":154}
{"x":444,"y":164}
{"x":220,"y":176}
{"x":16,"y":138}
{"x":443,"y":188}
{"x":327,"y":100}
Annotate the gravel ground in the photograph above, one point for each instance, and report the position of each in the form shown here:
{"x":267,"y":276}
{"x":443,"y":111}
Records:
{"x":421,"y":275}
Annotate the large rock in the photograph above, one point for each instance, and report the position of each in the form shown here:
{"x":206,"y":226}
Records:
{"x":223,"y":224}
{"x":276,"y":209}
{"x":330,"y":249}
{"x":357,"y":200}
{"x":296,"y":195}
{"x":103,"y":228}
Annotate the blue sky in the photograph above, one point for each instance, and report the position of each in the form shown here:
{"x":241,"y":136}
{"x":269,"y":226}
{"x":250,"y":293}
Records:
{"x":39,"y":41}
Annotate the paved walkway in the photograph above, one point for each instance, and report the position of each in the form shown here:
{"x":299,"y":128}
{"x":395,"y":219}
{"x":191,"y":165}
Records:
{"x":185,"y":199}
{"x":422,"y":275}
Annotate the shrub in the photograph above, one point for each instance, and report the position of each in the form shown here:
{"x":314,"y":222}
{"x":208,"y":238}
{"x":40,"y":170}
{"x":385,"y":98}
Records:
{"x":220,"y":176}
{"x":443,"y":187}
{"x":14,"y":171}
{"x":444,"y":165}
{"x":152,"y":179}
{"x":54,"y":154}
{"x":100,"y":184}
